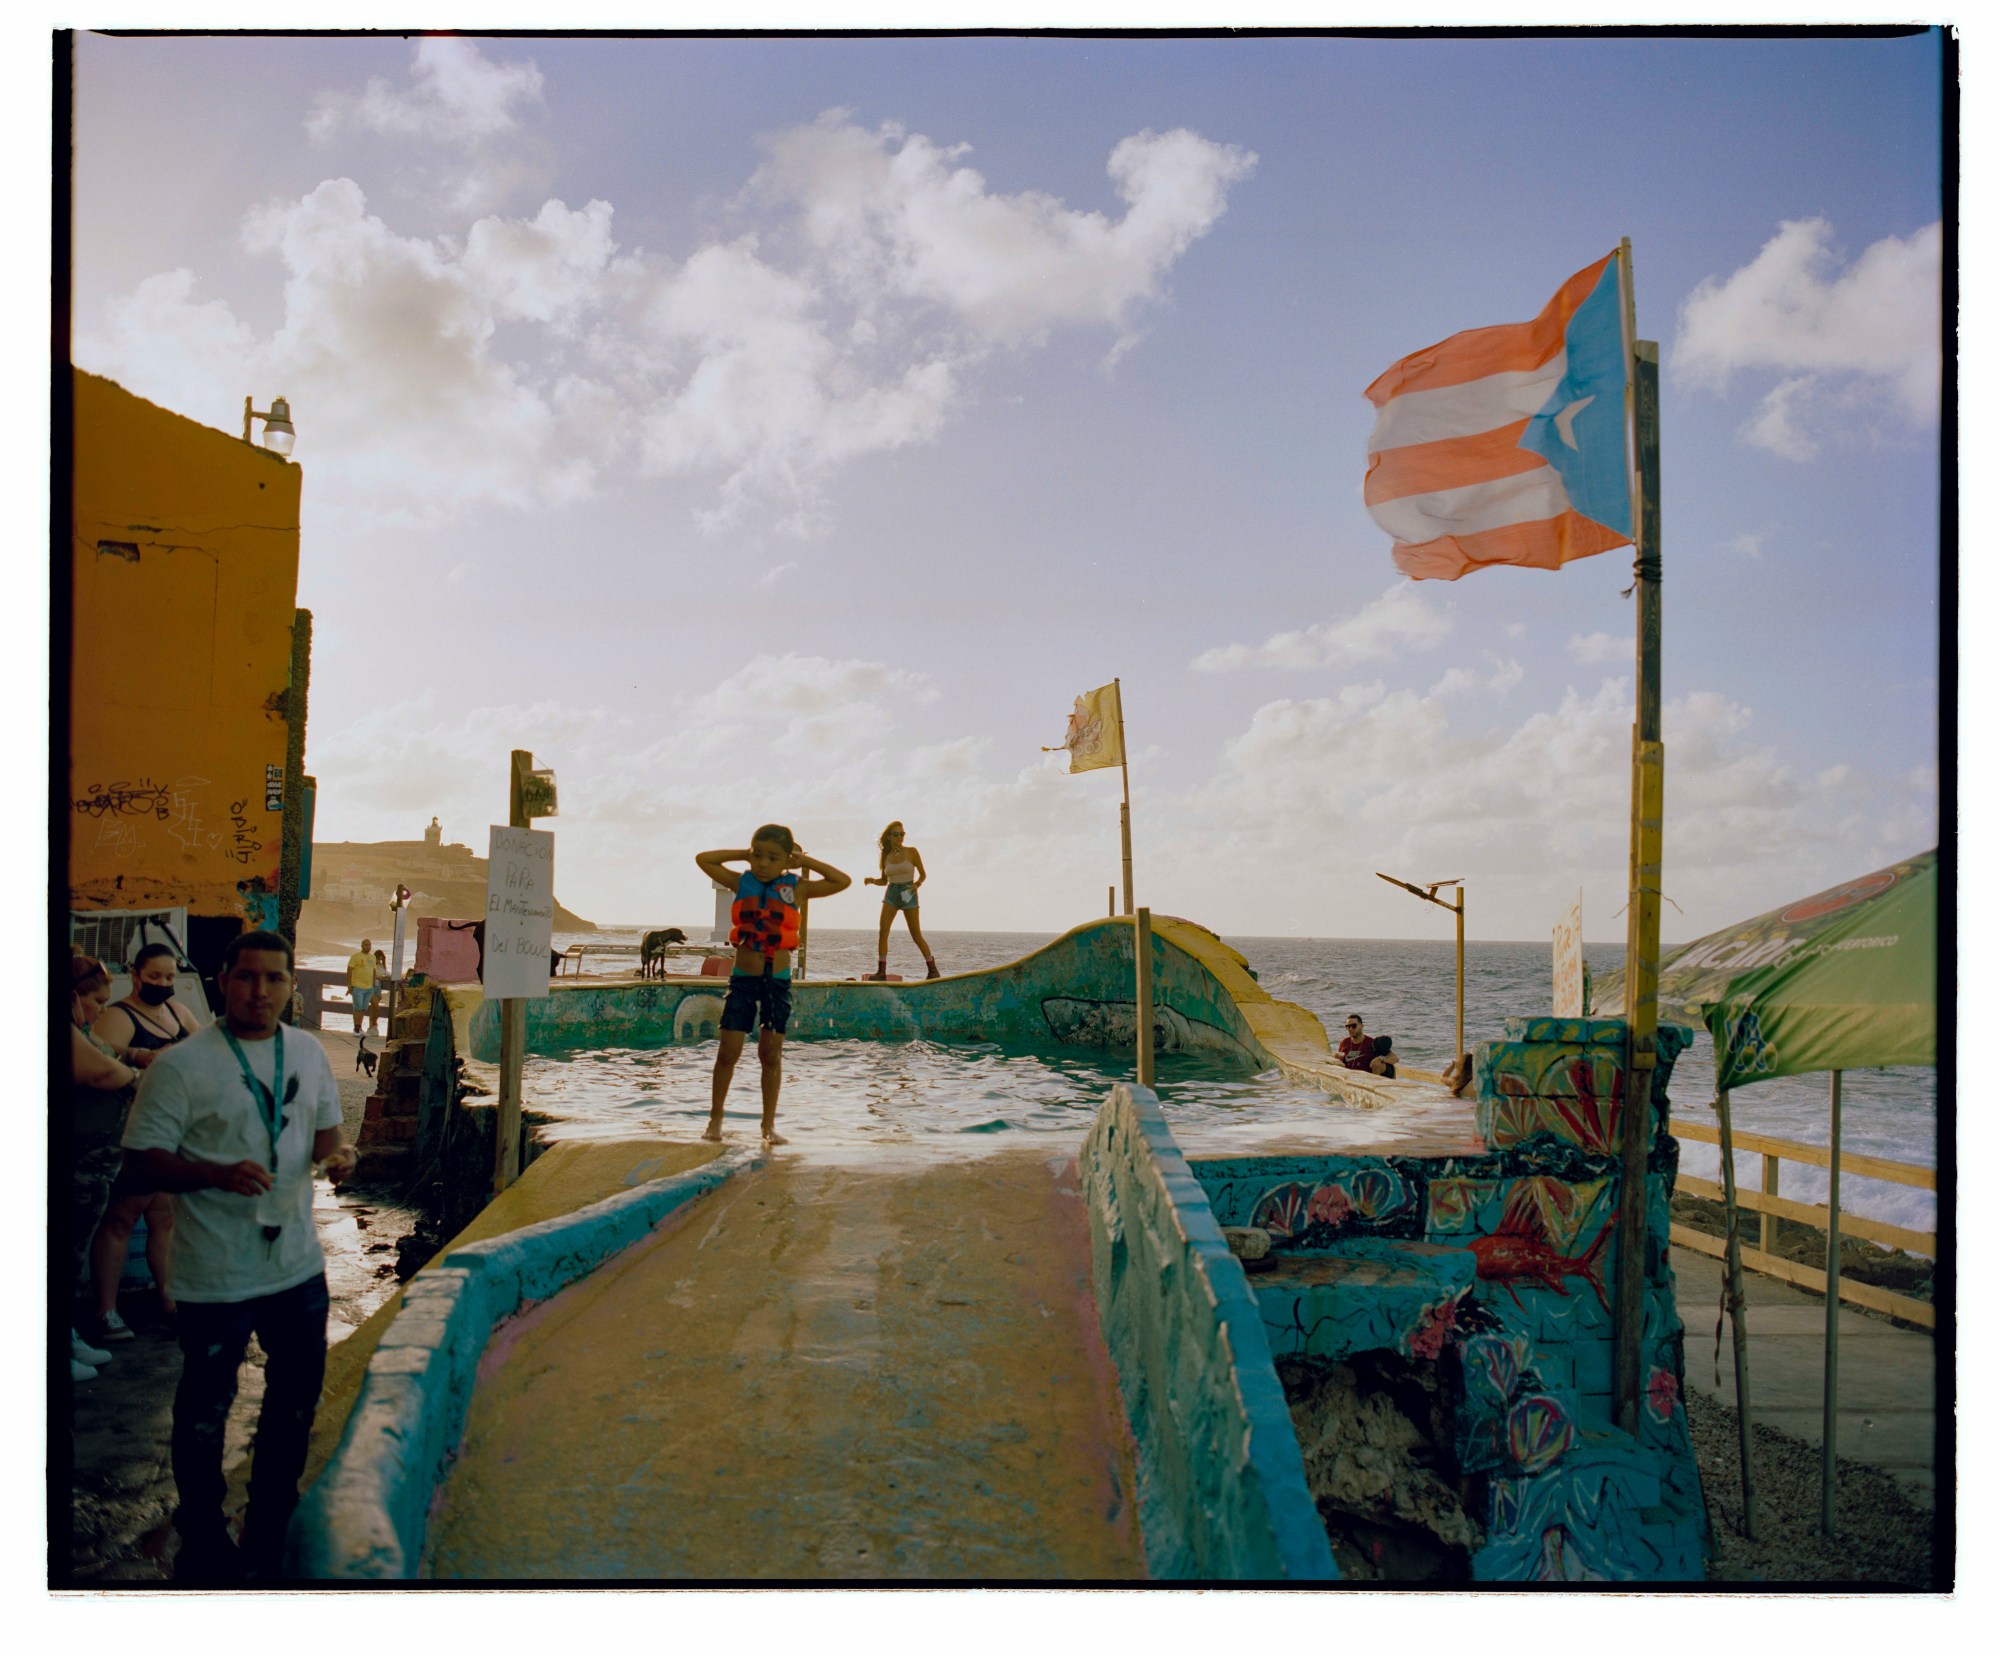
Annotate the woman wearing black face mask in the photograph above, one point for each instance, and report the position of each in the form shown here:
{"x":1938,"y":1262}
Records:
{"x":149,"y":1018}
{"x":140,"y":1027}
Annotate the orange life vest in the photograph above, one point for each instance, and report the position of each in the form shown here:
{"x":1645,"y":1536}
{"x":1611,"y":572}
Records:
{"x":765,"y":917}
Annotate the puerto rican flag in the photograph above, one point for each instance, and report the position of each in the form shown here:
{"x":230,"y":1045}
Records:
{"x":1507,"y":445}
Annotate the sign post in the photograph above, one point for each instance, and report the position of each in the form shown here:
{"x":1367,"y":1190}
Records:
{"x":520,"y":920}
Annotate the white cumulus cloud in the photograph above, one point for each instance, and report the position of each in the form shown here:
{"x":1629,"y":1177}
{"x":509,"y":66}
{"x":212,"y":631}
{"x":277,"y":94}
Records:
{"x":458,"y":96}
{"x":1843,"y":338}
{"x":1393,"y":780}
{"x":888,"y":214}
{"x":1599,"y":649}
{"x":1399,"y":622}
{"x":527,"y":359}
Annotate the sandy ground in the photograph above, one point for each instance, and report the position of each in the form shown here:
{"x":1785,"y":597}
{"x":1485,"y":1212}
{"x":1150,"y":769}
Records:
{"x":122,"y":1489}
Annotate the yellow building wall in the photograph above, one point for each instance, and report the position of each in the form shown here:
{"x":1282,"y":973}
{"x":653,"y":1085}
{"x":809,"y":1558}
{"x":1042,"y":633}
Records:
{"x":185,"y":568}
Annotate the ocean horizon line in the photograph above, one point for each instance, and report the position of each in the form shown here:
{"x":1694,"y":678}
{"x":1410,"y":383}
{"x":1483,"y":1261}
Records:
{"x":1248,"y":937}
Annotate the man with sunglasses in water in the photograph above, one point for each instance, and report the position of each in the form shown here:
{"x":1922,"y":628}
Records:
{"x":232,"y":1121}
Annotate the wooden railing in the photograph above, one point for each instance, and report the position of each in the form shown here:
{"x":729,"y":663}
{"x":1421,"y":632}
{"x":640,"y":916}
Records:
{"x":1771,"y":1207}
{"x":316,"y":999}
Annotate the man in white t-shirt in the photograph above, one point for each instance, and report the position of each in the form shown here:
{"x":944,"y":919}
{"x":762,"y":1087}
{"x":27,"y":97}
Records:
{"x":231,"y":1120}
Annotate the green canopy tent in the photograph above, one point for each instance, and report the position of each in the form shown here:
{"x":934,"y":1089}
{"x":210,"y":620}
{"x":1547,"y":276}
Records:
{"x":1845,"y":979}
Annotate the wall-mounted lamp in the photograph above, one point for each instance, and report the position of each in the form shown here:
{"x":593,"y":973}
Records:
{"x":279,"y":434}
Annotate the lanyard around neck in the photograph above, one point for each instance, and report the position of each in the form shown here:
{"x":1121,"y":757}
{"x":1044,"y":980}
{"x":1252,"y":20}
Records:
{"x":267,"y":1097}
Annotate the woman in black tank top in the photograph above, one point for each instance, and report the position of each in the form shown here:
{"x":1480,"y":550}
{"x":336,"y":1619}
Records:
{"x":149,"y":1019}
{"x":142,"y":1025}
{"x":100,"y":1088}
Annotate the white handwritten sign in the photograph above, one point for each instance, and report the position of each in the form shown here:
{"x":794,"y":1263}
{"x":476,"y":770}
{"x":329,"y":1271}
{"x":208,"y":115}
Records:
{"x":1569,"y":962}
{"x":520,"y":912}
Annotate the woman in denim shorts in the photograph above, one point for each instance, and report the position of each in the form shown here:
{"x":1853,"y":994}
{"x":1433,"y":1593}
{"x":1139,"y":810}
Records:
{"x":902,"y":871}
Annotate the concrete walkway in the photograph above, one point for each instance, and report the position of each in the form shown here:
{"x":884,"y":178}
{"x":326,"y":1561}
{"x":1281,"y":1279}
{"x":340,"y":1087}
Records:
{"x":814,"y":1372}
{"x":1888,"y":1375}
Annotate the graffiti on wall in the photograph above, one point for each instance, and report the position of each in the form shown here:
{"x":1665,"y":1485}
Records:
{"x":122,"y":809}
{"x":1372,"y":1199}
{"x":144,"y":797}
{"x":1077,"y":1021}
{"x":1537,"y":1240}
{"x":243,"y":844}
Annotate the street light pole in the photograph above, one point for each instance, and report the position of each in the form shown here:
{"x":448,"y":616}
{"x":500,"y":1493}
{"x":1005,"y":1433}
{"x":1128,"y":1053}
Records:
{"x":1458,"y":914}
{"x":513,"y":1024}
{"x":1429,"y":893}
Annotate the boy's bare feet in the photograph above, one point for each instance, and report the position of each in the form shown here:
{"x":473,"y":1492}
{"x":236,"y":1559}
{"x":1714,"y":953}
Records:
{"x":713,"y":1133}
{"x":773,"y":1136}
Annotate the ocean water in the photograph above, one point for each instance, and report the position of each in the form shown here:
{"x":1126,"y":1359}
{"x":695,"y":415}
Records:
{"x":876,"y":1097}
{"x":1404,"y":989}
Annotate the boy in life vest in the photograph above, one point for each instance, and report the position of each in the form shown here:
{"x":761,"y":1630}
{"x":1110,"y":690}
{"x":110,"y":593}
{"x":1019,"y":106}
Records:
{"x":764,"y":926}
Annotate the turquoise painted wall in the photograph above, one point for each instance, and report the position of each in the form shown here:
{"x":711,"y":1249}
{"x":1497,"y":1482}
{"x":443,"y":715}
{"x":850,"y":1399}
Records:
{"x":1076,"y":991}
{"x":1503,"y":1266}
{"x":1222,"y":1493}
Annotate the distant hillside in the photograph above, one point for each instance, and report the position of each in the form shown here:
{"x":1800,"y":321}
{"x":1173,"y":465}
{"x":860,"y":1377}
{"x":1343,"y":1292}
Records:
{"x":352,"y":885}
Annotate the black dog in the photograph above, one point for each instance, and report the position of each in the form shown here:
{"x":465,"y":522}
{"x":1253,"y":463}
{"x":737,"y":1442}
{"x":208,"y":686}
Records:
{"x":653,"y":950}
{"x":364,"y":1059}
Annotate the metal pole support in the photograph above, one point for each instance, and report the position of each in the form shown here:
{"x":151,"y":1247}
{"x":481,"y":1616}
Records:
{"x":1142,"y":946}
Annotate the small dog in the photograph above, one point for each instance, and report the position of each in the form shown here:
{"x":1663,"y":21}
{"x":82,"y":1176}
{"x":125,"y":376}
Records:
{"x":653,"y":950}
{"x":364,"y":1059}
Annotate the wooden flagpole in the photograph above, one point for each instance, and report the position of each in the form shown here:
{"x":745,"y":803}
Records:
{"x":1642,"y":935}
{"x":1124,"y":810}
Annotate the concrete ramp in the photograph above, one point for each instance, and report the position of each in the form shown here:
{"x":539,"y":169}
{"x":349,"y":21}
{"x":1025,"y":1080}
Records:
{"x":812,"y":1372}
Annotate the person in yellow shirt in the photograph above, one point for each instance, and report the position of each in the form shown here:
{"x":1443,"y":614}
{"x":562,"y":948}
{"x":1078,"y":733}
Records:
{"x":361,"y":981}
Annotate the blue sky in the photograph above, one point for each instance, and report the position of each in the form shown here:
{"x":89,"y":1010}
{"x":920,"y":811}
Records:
{"x":791,"y":429}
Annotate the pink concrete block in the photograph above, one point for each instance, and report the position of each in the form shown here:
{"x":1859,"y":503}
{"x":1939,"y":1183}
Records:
{"x":445,"y":955}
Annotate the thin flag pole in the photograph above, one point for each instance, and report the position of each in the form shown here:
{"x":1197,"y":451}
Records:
{"x":1642,"y":937}
{"x":1732,"y":1293}
{"x":1458,"y":1039}
{"x":1124,"y":810}
{"x":1829,"y":1469}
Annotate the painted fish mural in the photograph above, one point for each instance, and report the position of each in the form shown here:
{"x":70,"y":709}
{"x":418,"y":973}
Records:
{"x":1521,"y":1251}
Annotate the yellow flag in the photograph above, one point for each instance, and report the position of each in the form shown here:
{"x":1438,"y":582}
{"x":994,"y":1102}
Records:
{"x":1095,"y":741}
